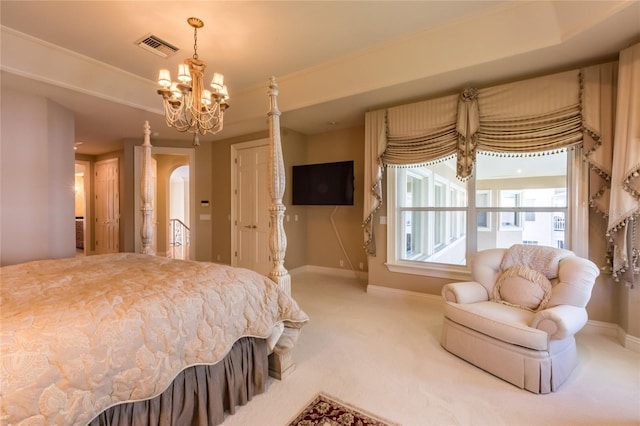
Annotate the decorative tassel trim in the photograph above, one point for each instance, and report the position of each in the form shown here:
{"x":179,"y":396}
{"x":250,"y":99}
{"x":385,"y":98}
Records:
{"x":621,"y":224}
{"x":633,"y":175}
{"x":525,"y":154}
{"x":466,"y":156}
{"x":469,"y":94}
{"x":421,"y":164}
{"x":634,"y":262}
{"x":595,"y":136}
{"x":592,"y":202}
{"x":369,"y":218}
{"x":603,"y":174}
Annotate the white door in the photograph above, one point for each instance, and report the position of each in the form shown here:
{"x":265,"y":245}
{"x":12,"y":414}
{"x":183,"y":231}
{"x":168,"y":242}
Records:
{"x":251,"y":209}
{"x":107,"y":207}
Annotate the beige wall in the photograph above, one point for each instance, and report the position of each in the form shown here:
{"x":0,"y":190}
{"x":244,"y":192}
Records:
{"x":323,"y":242}
{"x":294,"y":151}
{"x":36,"y":149}
{"x":311,"y":239}
{"x":631,"y":302}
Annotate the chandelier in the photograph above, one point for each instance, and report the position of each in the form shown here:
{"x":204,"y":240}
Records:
{"x":188,"y":106}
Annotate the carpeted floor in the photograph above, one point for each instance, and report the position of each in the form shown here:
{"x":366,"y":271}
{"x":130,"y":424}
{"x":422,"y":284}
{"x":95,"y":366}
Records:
{"x":381,"y":353}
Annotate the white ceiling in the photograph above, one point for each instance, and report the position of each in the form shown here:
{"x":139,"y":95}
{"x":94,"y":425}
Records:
{"x":334,"y":60}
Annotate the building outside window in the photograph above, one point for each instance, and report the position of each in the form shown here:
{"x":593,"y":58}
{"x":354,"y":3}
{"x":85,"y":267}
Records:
{"x":435,"y":220}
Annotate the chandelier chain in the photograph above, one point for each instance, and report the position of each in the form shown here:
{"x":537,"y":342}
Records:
{"x":195,"y":43}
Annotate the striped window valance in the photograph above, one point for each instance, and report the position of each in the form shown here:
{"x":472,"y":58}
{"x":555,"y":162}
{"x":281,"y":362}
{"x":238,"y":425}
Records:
{"x":546,"y":113}
{"x":541,"y":114}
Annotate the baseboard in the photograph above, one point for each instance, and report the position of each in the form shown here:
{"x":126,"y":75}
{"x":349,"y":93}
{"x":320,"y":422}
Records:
{"x":630,"y":342}
{"x":395,"y":292}
{"x":602,"y":328}
{"x":337,"y":272}
{"x":613,"y":330}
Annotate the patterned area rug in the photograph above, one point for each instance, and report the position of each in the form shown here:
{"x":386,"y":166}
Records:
{"x":325,"y":410}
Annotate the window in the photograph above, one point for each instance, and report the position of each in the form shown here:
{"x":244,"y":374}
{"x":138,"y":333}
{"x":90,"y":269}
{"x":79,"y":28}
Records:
{"x":435,"y":219}
{"x":483,"y":198}
{"x":431,"y":222}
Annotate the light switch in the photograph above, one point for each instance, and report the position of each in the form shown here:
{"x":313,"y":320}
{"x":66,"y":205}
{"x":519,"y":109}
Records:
{"x":383,"y":220}
{"x":205,"y":217}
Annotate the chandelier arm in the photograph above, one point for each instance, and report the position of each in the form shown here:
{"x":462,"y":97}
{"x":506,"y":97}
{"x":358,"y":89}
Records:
{"x":210,"y":119}
{"x":176,"y":117}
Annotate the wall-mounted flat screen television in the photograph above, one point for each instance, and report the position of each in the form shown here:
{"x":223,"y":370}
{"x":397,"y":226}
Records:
{"x":326,"y":184}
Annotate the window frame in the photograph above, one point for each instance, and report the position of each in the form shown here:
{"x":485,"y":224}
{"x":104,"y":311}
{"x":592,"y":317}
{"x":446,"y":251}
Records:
{"x":577,"y":212}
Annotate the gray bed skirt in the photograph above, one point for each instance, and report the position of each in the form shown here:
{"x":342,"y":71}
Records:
{"x":200,"y":395}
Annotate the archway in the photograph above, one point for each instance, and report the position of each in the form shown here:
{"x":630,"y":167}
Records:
{"x":179,"y":213}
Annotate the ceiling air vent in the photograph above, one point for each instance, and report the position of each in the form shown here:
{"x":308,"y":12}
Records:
{"x":156,"y":45}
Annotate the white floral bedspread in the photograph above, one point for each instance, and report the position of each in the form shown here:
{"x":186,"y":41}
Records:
{"x":80,"y":335}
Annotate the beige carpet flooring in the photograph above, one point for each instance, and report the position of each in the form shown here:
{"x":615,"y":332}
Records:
{"x":382,"y":354}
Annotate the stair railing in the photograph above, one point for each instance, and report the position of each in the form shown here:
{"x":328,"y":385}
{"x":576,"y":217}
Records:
{"x":178,"y":239}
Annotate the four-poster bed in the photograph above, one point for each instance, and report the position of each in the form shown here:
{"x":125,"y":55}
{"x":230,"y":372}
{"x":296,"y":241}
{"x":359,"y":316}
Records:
{"x":128,"y":338}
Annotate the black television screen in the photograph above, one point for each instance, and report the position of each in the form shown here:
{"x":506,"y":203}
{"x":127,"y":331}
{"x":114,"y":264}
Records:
{"x":326,"y":184}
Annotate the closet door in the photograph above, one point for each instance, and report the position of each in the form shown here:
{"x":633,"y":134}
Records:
{"x":251,"y":206}
{"x":107,"y":207}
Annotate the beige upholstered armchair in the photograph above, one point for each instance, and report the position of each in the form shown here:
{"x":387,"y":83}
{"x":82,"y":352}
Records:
{"x":518,"y":318}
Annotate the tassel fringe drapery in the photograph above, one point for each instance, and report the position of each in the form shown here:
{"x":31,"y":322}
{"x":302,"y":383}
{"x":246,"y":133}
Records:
{"x":624,"y":206}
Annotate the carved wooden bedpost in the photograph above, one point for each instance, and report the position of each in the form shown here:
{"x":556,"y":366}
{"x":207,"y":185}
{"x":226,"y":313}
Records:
{"x":281,"y":359}
{"x":278,"y":239}
{"x":146,"y":193}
